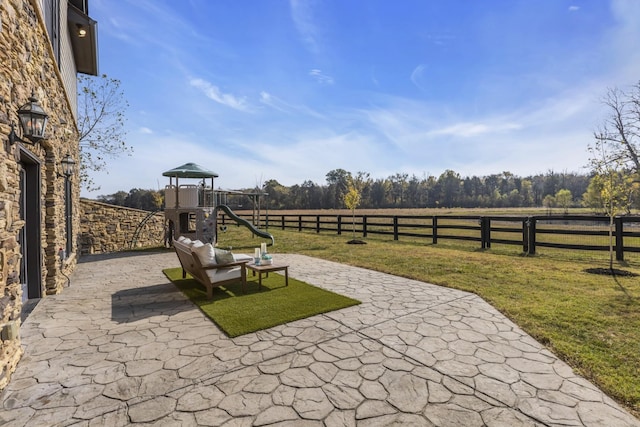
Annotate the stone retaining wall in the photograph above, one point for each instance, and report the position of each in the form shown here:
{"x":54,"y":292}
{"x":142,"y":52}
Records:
{"x":109,"y":228}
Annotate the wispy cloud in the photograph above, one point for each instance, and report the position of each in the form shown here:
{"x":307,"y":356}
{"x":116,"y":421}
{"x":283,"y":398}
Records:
{"x":279,"y":104}
{"x":623,"y":42}
{"x":467,"y":129}
{"x":302,"y":16}
{"x":155,"y":26}
{"x":274,"y":102}
{"x":550,"y":132}
{"x":214,"y":93}
{"x":416,"y":76}
{"x":320,"y":77}
{"x":329,"y":150}
{"x":374,"y":79}
{"x":440,"y":39}
{"x":574,"y":8}
{"x":145,"y":130}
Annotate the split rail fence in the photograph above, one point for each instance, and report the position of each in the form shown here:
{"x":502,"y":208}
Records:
{"x":574,"y":232}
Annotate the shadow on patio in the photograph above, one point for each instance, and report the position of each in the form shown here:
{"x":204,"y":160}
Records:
{"x":131,"y":305}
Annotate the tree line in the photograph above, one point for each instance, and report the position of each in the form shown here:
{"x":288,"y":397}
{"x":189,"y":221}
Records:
{"x":449,"y":190}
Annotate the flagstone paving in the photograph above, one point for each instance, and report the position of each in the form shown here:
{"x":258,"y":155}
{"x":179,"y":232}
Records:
{"x":123,"y":346}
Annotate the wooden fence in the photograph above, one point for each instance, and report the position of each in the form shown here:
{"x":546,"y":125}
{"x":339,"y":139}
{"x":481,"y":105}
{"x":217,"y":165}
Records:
{"x":578,"y":232}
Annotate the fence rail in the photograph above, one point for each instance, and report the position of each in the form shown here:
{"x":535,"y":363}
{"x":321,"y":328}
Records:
{"x":529,"y":232}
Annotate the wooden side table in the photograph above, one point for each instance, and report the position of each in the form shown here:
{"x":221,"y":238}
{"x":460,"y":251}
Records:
{"x":267,"y":269}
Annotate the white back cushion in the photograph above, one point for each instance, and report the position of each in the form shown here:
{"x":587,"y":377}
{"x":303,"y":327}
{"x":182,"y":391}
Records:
{"x":206,"y":254}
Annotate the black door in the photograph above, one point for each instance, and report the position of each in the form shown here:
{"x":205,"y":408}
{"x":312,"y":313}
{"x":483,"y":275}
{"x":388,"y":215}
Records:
{"x":29,"y":235}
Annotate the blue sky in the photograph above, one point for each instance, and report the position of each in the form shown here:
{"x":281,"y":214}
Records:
{"x":289,"y":90}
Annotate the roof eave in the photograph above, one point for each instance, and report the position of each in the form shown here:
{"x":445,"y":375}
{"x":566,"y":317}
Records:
{"x":85,"y":49}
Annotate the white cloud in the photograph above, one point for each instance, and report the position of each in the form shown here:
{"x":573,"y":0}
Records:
{"x":574,"y":8}
{"x":279,"y":104}
{"x":271,"y":101}
{"x":550,"y":134}
{"x":468,"y":129}
{"x":313,"y":153}
{"x":145,"y":130}
{"x":320,"y":77}
{"x":214,"y":93}
{"x":416,"y":76}
{"x":302,"y":16}
{"x":241,"y":162}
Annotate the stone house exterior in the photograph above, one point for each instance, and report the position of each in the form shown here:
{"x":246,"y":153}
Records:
{"x":43,"y":45}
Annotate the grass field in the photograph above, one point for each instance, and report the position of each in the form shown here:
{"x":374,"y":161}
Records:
{"x":591,"y":321}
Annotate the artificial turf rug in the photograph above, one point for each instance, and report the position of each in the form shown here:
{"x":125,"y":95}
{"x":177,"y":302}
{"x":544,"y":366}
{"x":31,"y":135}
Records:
{"x":237,"y":313}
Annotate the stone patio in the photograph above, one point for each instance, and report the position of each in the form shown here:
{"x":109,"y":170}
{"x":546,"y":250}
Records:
{"x":123,"y":346}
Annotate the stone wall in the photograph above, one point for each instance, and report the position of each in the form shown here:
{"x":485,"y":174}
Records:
{"x":109,"y":228}
{"x":27,"y":66}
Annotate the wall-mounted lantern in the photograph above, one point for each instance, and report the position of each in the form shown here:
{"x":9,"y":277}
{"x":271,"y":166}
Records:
{"x":33,"y":121}
{"x":68,"y":166}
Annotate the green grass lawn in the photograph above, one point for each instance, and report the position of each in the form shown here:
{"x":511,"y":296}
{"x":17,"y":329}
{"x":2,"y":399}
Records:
{"x":590,"y":321}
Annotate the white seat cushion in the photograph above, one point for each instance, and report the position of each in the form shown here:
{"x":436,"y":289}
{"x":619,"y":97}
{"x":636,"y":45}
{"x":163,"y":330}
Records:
{"x":221,"y":274}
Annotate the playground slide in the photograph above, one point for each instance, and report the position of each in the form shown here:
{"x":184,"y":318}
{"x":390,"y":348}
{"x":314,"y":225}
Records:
{"x":244,"y":222}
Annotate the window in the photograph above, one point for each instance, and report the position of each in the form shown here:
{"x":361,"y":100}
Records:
{"x":188,"y":222}
{"x":51,"y":10}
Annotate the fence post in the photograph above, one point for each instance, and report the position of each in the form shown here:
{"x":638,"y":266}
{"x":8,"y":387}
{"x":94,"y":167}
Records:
{"x":364,"y":226}
{"x":434,"y":227}
{"x":532,"y":235}
{"x":619,"y":228}
{"x":283,"y":222}
{"x":339,"y":225}
{"x":299,"y":222}
{"x":318,"y":224}
{"x":525,"y":236}
{"x":487,"y":232}
{"x":395,"y":227}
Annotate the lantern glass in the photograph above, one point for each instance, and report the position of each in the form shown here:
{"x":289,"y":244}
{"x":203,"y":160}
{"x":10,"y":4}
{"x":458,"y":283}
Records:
{"x":68,"y":165}
{"x":33,"y":120}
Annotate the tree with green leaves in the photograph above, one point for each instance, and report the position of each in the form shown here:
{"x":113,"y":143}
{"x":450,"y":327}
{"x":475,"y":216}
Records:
{"x":101,"y":118}
{"x":352,"y":201}
{"x":592,"y":198}
{"x":613,"y":180}
{"x":338,"y":180}
{"x":549,"y":202}
{"x":563,"y":199}
{"x":137,"y":198}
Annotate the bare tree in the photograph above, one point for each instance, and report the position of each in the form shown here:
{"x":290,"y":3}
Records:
{"x":620,"y":132}
{"x":101,"y":118}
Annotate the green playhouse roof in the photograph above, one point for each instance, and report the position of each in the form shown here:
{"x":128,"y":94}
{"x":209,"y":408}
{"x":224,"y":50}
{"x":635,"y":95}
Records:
{"x":190,"y":170}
